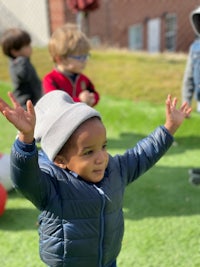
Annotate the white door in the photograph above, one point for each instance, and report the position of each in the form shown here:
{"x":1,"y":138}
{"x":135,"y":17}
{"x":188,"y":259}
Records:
{"x":153,"y":35}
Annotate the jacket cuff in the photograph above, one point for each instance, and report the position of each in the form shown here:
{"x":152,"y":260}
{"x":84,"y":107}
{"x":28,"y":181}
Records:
{"x":24,"y":146}
{"x":167,"y":132}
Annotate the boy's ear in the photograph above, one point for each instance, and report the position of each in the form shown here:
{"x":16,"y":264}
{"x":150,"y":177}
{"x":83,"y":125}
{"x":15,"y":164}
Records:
{"x":14,"y":52}
{"x":60,"y":161}
{"x":57,"y":59}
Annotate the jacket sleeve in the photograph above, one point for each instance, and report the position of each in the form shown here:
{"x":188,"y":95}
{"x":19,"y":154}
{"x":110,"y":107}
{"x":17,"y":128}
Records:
{"x":48,"y":84}
{"x":188,"y":80}
{"x":23,"y":69}
{"x":91,"y":89}
{"x":26,"y":175}
{"x":144,"y":155}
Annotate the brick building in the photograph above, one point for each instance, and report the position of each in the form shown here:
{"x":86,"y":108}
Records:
{"x":151,"y":25}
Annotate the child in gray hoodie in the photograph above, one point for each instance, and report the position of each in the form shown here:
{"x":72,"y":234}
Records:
{"x":191,"y":80}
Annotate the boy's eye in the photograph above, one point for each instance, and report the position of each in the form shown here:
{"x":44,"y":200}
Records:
{"x":88,"y":152}
{"x":104,"y":146}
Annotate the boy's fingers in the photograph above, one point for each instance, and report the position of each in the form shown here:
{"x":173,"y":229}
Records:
{"x":185,"y":106}
{"x":188,"y":111}
{"x":13,"y":100}
{"x":30,"y":107}
{"x":174,"y":102}
{"x":3,"y":105}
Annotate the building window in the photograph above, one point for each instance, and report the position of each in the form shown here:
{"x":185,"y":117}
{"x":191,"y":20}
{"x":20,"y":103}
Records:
{"x":135,"y":36}
{"x":170,"y":34}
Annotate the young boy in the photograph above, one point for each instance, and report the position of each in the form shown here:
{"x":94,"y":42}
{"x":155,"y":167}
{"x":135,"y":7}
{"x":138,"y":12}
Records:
{"x":16,"y":44}
{"x":69,"y":49}
{"x":191,"y":80}
{"x":75,"y":183}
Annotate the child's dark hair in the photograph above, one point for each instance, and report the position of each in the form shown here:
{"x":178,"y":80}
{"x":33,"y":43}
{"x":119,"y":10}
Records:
{"x":14,"y":38}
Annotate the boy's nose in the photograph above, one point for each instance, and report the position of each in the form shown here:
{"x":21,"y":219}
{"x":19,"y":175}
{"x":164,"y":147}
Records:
{"x":100,"y":157}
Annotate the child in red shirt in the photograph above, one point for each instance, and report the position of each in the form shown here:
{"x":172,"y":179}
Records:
{"x":69,"y":49}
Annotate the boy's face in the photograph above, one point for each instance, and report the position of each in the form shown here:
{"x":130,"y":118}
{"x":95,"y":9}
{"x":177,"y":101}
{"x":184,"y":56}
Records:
{"x":85,"y":152}
{"x":25,"y":51}
{"x":74,"y":64}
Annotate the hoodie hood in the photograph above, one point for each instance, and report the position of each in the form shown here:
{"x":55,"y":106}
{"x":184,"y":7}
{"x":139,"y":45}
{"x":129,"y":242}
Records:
{"x":195,"y":20}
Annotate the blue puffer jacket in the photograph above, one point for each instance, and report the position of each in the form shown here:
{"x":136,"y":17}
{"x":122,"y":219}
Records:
{"x":81,"y":223}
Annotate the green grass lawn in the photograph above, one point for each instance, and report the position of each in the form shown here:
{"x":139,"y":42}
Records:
{"x":162,"y":210}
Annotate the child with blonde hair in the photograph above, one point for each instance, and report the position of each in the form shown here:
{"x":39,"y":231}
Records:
{"x":69,"y":48}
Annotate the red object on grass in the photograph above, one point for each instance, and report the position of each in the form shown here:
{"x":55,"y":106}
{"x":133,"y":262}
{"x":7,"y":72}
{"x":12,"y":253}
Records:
{"x":3,"y":199}
{"x":83,"y":5}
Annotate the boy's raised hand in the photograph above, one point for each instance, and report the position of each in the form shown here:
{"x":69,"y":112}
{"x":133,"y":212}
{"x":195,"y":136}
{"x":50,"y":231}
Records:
{"x":174,"y":116}
{"x":23,"y":120}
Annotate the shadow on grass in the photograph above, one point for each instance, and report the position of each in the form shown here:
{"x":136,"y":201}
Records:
{"x":128,"y":140}
{"x":18,"y":218}
{"x":161,"y":192}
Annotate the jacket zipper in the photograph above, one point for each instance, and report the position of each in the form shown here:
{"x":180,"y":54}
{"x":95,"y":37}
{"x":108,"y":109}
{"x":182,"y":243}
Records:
{"x":101,"y":225}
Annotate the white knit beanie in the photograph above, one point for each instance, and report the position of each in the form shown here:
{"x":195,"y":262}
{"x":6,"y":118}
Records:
{"x":57,"y":117}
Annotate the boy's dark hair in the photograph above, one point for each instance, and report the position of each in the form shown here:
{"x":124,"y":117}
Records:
{"x":14,"y":38}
